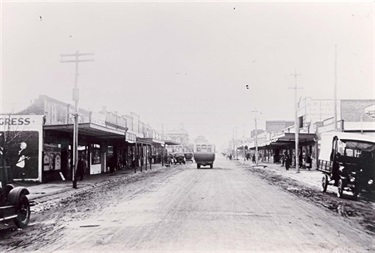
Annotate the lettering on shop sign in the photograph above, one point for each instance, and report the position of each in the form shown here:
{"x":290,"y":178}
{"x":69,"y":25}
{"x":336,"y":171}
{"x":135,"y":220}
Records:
{"x":15,"y":121}
{"x":370,"y":111}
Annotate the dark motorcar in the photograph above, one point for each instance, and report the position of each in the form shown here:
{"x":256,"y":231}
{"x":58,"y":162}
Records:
{"x":14,"y":205}
{"x":189,"y":156}
{"x":179,"y":158}
{"x":347,"y":161}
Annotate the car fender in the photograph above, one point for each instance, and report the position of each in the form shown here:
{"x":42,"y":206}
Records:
{"x":7,"y":188}
{"x":15,"y":194}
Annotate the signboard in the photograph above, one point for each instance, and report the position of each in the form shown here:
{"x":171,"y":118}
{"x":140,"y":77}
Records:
{"x":370,"y":111}
{"x":130,"y":137}
{"x":98,"y":118}
{"x":22,"y":140}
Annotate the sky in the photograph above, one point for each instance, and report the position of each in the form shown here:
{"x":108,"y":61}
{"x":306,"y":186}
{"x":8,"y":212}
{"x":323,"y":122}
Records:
{"x":188,"y":63}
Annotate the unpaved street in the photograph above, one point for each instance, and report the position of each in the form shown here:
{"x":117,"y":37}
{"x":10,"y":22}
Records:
{"x":182,"y":208}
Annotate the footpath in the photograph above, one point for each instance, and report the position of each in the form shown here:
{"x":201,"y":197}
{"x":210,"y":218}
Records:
{"x":311,"y":178}
{"x":41,"y":194}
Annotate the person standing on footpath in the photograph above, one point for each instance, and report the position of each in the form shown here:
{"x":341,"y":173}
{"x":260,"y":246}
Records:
{"x":287,"y":161}
{"x":81,"y":167}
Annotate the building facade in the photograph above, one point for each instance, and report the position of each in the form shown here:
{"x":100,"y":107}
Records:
{"x":107,"y":140}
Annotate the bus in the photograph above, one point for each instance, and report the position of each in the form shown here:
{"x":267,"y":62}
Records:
{"x":204,"y":154}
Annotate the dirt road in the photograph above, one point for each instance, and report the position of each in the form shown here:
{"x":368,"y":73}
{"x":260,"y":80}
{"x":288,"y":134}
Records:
{"x":182,"y":208}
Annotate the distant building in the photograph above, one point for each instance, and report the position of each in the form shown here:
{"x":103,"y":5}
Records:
{"x":275,"y":126}
{"x":354,"y":115}
{"x":201,"y":139}
{"x":179,"y":135}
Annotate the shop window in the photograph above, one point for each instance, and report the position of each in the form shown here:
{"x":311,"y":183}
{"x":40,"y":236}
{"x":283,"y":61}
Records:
{"x":96,"y":158}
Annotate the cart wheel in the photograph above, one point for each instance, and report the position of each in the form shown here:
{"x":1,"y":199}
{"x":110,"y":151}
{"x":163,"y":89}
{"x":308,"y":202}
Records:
{"x":340,"y":189}
{"x":324,"y":183}
{"x":23,"y":212}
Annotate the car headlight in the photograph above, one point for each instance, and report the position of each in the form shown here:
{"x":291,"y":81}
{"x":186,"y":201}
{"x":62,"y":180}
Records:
{"x":370,"y":181}
{"x":352,"y":179}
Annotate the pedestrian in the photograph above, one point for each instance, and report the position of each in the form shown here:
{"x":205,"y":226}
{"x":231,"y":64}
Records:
{"x":112,"y":162}
{"x":287,"y":161}
{"x":308,"y":162}
{"x":253,"y":158}
{"x":81,"y":167}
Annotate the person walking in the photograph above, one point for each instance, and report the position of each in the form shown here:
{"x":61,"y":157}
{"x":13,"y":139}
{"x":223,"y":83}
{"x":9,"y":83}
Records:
{"x":81,"y":167}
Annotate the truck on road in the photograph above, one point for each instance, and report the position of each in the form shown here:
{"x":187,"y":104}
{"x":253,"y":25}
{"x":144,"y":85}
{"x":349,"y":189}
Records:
{"x":204,"y":154}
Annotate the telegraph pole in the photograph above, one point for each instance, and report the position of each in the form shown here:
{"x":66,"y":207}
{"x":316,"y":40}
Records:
{"x":256,"y":138}
{"x":296,"y":119}
{"x":243,"y":143}
{"x":236,"y":144}
{"x":335,"y":91}
{"x":75,"y":60}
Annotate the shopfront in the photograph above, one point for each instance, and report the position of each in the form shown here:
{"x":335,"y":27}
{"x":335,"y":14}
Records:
{"x":21,"y":146}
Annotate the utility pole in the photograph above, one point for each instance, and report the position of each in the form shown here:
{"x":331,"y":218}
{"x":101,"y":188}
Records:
{"x":296,"y":119}
{"x":236,"y":144}
{"x":335,"y":91}
{"x":75,"y":60}
{"x":233,"y":144}
{"x":243,"y":143}
{"x":256,"y":138}
{"x":162,"y":138}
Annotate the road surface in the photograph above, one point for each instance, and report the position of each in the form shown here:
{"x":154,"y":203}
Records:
{"x":183,"y":208}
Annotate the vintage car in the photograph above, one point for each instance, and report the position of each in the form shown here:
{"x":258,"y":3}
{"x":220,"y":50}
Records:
{"x":204,"y":154}
{"x":189,"y":156}
{"x":179,"y":158}
{"x":14,"y":205}
{"x":347,"y":162}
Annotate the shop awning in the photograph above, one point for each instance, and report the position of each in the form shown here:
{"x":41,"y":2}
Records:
{"x":289,"y":138}
{"x":150,"y":141}
{"x":169,"y":142}
{"x":88,"y":129}
{"x":146,"y":141}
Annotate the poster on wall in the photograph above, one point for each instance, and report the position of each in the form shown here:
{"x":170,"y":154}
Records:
{"x":23,"y":154}
{"x":51,"y":158}
{"x":21,"y":145}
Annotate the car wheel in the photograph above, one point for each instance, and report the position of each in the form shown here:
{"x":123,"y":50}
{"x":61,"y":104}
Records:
{"x":340,"y":189}
{"x":211,"y":166}
{"x":23,"y":212}
{"x":324,"y":183}
{"x":198,"y":166}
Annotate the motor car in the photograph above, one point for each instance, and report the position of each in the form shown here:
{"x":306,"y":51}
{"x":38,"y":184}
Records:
{"x":179,"y":158}
{"x":14,"y":205}
{"x":347,"y":162}
{"x":189,"y":156}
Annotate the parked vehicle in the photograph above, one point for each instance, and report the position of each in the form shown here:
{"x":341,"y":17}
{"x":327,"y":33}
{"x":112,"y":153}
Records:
{"x":14,"y":205}
{"x":204,"y":154}
{"x":189,"y":156}
{"x":347,"y":162}
{"x":179,"y":158}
